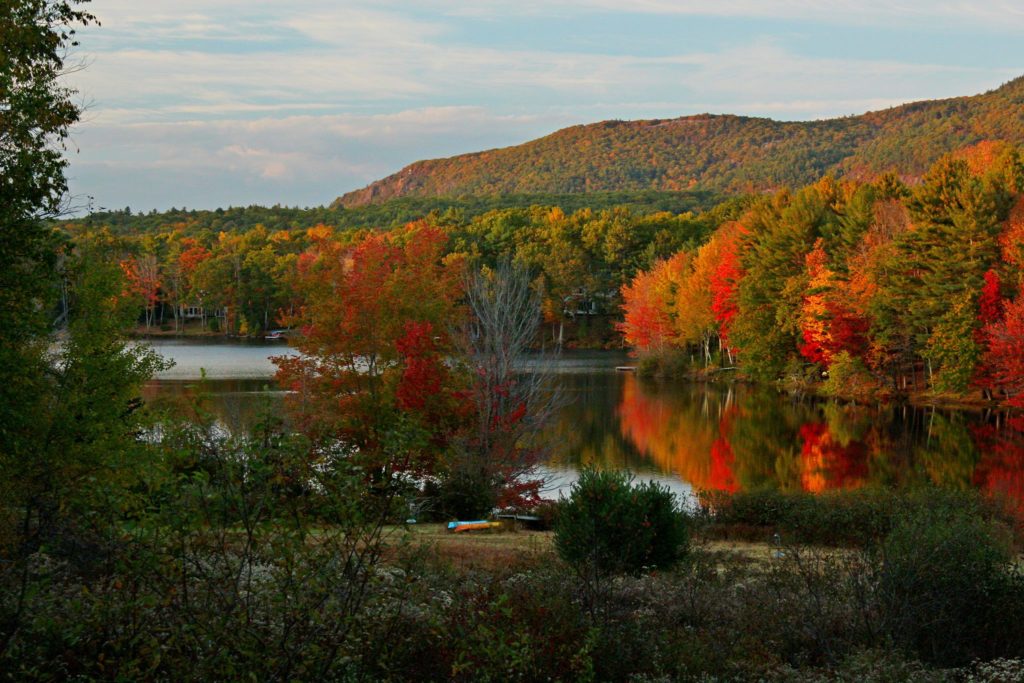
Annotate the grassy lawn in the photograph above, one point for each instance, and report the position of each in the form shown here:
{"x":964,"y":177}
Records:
{"x":510,"y":548}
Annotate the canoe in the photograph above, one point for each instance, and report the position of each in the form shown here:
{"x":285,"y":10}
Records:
{"x":475,"y":525}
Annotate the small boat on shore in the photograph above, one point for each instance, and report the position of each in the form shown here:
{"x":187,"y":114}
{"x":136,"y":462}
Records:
{"x":476,"y":525}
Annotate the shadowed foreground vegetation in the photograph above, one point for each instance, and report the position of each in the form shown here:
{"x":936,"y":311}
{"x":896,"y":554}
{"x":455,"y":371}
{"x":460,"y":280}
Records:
{"x":231,"y":575}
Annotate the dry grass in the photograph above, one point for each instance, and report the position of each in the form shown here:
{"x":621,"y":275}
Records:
{"x":489,"y":550}
{"x":509,"y":548}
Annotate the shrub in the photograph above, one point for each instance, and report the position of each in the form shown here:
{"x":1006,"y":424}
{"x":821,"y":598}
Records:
{"x":835,"y":518}
{"x":467,"y":495}
{"x":647,"y":365}
{"x":849,"y":379}
{"x":668,"y":363}
{"x":859,"y":517}
{"x":945,"y":586}
{"x":547,"y":511}
{"x":609,"y":525}
{"x":799,"y":377}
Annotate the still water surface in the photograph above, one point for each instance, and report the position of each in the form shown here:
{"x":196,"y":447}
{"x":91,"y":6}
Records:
{"x":688,"y":436}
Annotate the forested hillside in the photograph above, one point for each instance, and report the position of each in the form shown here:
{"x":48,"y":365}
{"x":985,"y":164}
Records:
{"x":716,"y":153}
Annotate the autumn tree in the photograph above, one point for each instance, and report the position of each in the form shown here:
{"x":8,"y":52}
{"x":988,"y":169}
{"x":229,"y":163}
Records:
{"x":725,"y":281}
{"x":1005,"y":355}
{"x":143,"y":276}
{"x":497,"y":451}
{"x":695,"y":319}
{"x":781,"y":232}
{"x":828,"y":325}
{"x":649,"y":305}
{"x":1011,"y":238}
{"x":371,"y":382}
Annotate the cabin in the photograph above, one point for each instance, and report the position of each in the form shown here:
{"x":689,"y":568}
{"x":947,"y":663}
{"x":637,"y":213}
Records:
{"x":196,"y":312}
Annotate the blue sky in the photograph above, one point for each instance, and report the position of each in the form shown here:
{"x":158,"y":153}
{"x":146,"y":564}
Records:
{"x":207,"y":103}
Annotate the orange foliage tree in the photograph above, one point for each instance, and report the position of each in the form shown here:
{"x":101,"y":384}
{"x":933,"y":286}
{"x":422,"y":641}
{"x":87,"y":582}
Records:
{"x":371,"y":380}
{"x":1011,"y":240}
{"x":696,"y":319}
{"x":142,"y":278}
{"x":828,"y":325}
{"x":648,"y":304}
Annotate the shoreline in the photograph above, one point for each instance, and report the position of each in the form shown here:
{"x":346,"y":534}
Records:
{"x":916,"y":399}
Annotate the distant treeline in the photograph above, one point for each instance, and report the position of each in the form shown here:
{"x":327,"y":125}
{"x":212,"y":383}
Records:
{"x":388,"y":214}
{"x":233,"y":270}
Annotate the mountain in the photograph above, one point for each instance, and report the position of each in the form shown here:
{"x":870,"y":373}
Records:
{"x":717,"y":153}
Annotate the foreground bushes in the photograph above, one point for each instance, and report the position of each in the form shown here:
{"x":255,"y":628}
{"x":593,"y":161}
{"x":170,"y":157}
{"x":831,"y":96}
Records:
{"x":805,"y":615}
{"x":946,"y":587}
{"x":610,"y":525}
{"x":848,"y":518}
{"x":261,"y":597}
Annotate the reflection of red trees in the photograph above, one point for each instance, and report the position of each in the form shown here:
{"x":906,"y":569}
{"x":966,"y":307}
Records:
{"x":723,"y":476}
{"x":1000,"y":471}
{"x":676,"y":441}
{"x":826,"y":464}
{"x":639,"y":417}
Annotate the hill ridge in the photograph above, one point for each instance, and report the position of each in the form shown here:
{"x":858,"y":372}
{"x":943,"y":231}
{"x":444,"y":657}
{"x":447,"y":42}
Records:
{"x":716,"y":152}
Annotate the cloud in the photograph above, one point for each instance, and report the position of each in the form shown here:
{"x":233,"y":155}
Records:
{"x":306,"y":159}
{"x":1001,"y":15}
{"x":228,"y":101}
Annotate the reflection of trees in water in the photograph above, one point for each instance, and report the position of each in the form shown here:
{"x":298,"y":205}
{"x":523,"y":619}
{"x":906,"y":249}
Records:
{"x":828,"y":461}
{"x":584,"y":432}
{"x":235,"y":405}
{"x":726,"y":438}
{"x":1001,"y":469}
{"x":752,"y":438}
{"x":765,"y":440}
{"x":674,"y":426}
{"x":947,"y":455}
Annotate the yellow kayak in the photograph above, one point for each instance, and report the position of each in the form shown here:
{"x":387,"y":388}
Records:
{"x":472,"y":526}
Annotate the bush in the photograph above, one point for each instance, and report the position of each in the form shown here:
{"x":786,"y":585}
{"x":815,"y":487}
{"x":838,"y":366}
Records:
{"x":835,"y":518}
{"x":860,"y":517}
{"x":647,"y":365}
{"x":466,"y":495}
{"x":800,"y":377}
{"x":946,"y":589}
{"x":849,"y":379}
{"x":609,"y":525}
{"x":669,"y":363}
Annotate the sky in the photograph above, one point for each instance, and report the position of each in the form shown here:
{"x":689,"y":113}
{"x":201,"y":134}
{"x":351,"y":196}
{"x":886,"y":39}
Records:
{"x":216,"y":103}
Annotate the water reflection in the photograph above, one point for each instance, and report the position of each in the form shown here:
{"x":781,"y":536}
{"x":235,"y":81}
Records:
{"x":234,"y":405}
{"x":753,"y":438}
{"x":723,"y":438}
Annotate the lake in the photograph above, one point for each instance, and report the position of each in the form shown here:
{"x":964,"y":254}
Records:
{"x":688,"y":436}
